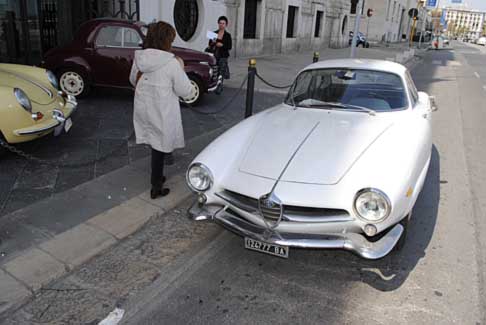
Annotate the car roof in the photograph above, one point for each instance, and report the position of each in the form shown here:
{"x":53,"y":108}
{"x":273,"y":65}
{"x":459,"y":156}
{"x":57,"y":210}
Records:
{"x":365,"y":64}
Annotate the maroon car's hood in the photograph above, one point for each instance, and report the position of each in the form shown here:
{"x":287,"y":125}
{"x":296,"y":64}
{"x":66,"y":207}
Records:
{"x":192,"y":55}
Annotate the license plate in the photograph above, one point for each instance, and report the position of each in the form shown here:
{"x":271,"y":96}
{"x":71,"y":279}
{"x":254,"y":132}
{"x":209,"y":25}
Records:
{"x":67,"y":125}
{"x":272,"y":249}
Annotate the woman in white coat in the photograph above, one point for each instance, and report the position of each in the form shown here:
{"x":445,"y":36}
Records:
{"x":159,"y":80}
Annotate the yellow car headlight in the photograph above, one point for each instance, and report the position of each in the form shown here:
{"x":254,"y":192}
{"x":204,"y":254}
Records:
{"x":23,"y":99}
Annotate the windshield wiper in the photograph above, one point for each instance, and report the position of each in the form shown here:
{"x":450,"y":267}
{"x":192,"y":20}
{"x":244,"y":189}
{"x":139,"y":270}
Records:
{"x":320,"y":103}
{"x":366,"y":109}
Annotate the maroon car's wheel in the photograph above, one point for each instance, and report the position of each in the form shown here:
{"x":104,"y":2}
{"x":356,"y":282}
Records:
{"x":197,"y":94}
{"x":74,"y":82}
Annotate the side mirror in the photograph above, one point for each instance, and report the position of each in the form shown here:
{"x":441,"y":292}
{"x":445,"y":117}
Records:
{"x":433,"y":104}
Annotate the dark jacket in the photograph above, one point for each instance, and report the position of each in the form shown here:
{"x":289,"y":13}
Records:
{"x":223,"y":51}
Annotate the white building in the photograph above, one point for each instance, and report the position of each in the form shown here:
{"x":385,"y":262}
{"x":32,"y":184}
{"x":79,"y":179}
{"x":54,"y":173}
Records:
{"x":257,"y":26}
{"x":461,"y":20}
{"x":390,"y":21}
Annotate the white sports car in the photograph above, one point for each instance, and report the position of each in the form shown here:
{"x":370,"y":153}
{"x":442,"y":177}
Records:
{"x":339,"y":164}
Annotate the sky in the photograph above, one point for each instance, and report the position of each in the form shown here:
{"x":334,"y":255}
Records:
{"x":471,"y":4}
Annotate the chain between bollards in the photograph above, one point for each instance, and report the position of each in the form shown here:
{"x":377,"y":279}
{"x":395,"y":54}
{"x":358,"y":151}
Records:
{"x":250,"y":87}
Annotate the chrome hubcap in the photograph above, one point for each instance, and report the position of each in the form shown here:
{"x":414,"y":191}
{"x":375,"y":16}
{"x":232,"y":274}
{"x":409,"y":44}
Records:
{"x":195,"y":94}
{"x":72,"y":83}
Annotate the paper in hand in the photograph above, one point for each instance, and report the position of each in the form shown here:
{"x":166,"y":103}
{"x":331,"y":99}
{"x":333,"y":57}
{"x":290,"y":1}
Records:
{"x":211,"y":35}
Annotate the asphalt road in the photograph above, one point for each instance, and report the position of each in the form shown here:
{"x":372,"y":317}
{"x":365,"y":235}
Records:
{"x":437,"y":279}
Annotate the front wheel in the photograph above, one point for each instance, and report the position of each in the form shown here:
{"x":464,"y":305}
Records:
{"x":197,"y":93}
{"x":74,"y":82}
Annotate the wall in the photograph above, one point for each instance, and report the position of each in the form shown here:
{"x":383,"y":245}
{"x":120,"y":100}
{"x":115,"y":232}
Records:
{"x":271,"y":24}
{"x":209,"y":11}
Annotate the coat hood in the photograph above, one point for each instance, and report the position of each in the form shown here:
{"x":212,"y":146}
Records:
{"x":310,"y":146}
{"x":151,"y":60}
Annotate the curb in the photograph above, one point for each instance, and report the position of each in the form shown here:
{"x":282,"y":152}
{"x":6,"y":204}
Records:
{"x":32,"y":269}
{"x":27,"y":274}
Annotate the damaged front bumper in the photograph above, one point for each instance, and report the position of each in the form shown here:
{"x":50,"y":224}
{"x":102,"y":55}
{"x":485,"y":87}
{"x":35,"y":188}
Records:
{"x":353,"y":242}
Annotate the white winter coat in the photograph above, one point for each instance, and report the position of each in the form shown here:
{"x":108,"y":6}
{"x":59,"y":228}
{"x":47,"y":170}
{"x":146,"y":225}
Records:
{"x":157,"y":114}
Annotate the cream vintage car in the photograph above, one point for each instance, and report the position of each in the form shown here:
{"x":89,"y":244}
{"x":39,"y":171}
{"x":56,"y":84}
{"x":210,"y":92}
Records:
{"x":31,"y":106}
{"x":339,"y":164}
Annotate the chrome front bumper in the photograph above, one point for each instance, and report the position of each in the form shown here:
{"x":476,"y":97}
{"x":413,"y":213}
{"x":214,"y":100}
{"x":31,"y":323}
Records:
{"x":57,"y":122}
{"x":354,"y":242}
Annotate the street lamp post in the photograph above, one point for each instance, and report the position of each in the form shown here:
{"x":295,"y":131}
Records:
{"x":356,"y":28}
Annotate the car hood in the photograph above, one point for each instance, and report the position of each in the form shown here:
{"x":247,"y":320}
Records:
{"x":37,"y":91}
{"x":311,"y":146}
{"x":193,"y":55}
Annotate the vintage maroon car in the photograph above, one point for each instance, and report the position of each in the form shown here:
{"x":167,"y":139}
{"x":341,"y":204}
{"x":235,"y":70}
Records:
{"x":102,"y":52}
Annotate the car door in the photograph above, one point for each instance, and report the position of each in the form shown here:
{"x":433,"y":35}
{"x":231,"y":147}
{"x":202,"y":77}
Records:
{"x":115,"y":46}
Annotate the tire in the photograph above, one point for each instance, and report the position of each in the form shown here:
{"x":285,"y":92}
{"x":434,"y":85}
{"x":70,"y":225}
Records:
{"x":74,"y":82}
{"x":367,"y":45}
{"x":403,"y":238}
{"x":196,"y":97}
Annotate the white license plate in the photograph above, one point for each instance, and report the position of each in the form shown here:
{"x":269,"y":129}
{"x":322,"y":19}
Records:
{"x":272,"y":249}
{"x":67,"y":125}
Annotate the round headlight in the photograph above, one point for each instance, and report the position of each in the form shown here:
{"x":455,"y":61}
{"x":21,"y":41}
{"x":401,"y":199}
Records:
{"x":23,"y":99}
{"x":199,"y":177}
{"x":52,"y":79}
{"x":372,"y":205}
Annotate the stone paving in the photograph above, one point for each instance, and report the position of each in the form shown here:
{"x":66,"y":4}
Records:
{"x":102,"y":123}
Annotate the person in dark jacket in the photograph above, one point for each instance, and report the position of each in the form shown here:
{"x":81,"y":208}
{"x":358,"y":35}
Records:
{"x":221,"y":47}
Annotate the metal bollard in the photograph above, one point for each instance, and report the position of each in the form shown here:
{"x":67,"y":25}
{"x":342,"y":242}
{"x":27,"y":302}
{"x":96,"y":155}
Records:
{"x":316,"y":57}
{"x":250,"y":87}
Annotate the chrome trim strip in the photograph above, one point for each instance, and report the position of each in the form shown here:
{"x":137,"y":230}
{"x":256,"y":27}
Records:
{"x":47,"y":128}
{"x":220,"y":80}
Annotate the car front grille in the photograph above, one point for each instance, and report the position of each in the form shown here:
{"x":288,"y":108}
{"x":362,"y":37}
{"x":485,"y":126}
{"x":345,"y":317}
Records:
{"x":290,"y":213}
{"x":215,"y":75}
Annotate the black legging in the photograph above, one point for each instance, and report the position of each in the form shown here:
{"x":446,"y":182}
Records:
{"x":157,"y":168}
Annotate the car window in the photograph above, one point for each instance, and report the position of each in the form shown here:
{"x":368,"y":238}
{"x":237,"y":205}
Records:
{"x":412,"y":89}
{"x":110,"y":36}
{"x":376,"y":90}
{"x":131,"y":38}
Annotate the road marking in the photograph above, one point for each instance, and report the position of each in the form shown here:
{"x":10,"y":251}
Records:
{"x":477,"y":75}
{"x":484,"y":87}
{"x":454,"y":63}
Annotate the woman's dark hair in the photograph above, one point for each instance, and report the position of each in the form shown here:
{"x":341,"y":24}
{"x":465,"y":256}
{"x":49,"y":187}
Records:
{"x":160,"y":36}
{"x":224,"y":19}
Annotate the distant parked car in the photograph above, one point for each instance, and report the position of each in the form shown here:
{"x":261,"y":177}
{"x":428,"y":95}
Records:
{"x":361,"y":40}
{"x":482,"y":41}
{"x":102,"y":52}
{"x":440,"y":42}
{"x":31,"y":105}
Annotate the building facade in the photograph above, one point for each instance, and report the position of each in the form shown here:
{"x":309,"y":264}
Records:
{"x":390,"y":21}
{"x":258,"y":26}
{"x":464,"y":22}
{"x":29,"y":28}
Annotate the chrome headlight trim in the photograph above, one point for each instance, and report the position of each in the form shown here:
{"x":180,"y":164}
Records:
{"x":382,"y":195}
{"x":23,"y":99}
{"x":208,"y":173}
{"x":52,"y":79}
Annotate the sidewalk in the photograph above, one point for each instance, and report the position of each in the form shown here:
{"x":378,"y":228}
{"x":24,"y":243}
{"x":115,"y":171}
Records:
{"x":282,"y":69}
{"x":54,"y":236}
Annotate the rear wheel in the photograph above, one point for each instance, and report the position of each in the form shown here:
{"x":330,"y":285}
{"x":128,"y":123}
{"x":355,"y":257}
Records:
{"x":74,"y":82}
{"x":197,"y":94}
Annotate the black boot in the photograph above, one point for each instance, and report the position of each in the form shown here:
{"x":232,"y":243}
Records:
{"x":156,"y":192}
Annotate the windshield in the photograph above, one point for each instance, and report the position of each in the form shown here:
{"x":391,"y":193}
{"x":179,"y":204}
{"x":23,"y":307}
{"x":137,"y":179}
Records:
{"x":348,"y":89}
